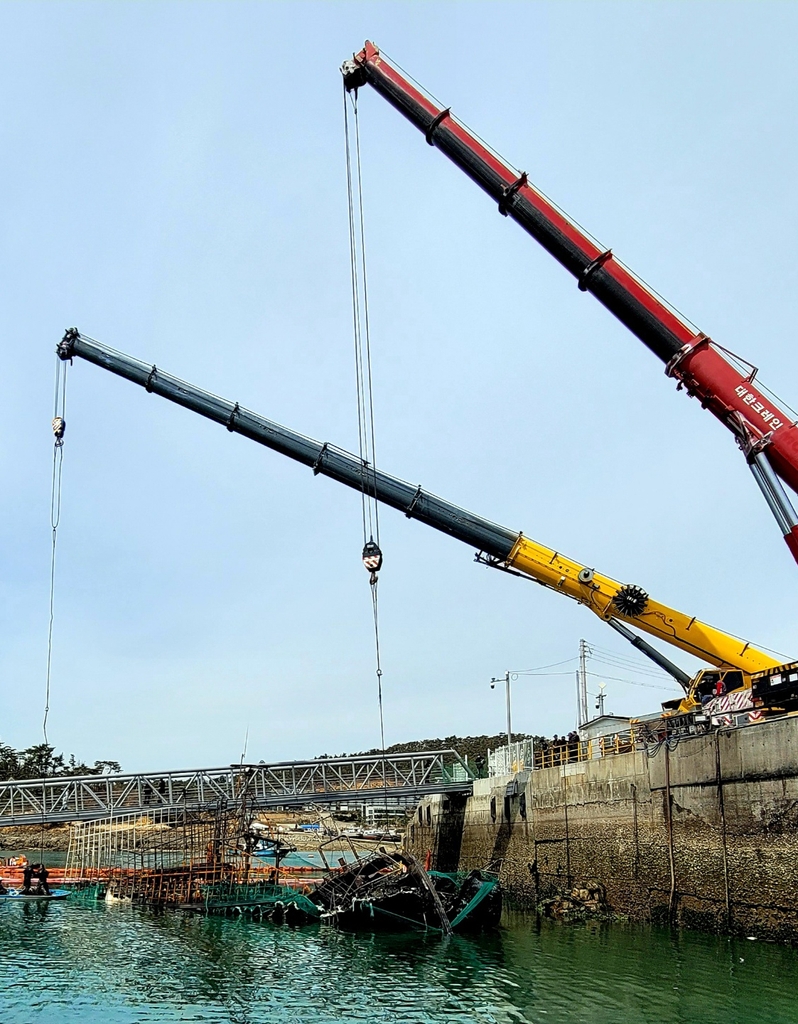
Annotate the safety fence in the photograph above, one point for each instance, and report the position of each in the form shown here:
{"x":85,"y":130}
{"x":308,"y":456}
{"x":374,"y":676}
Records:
{"x":529,"y":755}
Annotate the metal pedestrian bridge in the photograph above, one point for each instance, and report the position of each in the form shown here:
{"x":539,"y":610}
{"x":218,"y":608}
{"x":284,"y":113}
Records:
{"x":332,"y":781}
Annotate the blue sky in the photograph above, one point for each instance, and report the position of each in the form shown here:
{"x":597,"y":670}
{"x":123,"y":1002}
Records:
{"x":174,"y":185}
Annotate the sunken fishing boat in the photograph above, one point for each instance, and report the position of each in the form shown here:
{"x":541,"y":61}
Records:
{"x":393,"y":891}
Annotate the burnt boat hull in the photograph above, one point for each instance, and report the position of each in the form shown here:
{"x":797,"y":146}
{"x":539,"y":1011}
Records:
{"x":393,"y":892}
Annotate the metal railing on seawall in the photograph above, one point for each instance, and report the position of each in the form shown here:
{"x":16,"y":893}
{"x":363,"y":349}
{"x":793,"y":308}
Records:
{"x":646,"y":734}
{"x":526,"y":755}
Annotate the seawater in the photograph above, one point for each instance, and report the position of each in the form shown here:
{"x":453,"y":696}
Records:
{"x":116,"y":964}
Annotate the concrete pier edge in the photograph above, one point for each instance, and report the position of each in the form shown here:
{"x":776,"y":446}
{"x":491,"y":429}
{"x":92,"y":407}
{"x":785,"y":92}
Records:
{"x":700,"y":835}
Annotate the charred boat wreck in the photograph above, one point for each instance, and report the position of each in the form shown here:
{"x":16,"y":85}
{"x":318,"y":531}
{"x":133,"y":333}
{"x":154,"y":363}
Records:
{"x":391,"y":890}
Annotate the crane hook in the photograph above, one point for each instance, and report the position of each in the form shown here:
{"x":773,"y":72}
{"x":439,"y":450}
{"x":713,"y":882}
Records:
{"x":372,"y":559}
{"x":59,"y":428}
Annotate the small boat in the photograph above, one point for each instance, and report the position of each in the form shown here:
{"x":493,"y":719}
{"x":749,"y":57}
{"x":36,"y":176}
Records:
{"x":276,"y":849}
{"x":20,"y":897}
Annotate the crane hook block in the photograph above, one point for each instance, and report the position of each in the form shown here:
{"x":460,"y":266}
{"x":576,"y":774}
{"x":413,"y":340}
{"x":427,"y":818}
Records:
{"x":372,"y":557}
{"x":59,"y":429}
{"x":66,"y":346}
{"x":354,"y":75}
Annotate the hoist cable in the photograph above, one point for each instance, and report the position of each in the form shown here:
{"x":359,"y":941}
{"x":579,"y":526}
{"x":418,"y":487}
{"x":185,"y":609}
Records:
{"x":366,"y":327}
{"x":361,"y":325}
{"x":375,"y":611}
{"x":59,"y":424}
{"x":355,"y":307}
{"x":364,"y":386}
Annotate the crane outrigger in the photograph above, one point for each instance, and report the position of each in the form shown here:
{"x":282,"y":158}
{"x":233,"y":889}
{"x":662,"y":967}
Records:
{"x":736,"y":664}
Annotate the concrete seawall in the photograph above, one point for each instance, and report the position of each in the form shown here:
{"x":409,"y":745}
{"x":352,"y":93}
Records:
{"x":702,"y":835}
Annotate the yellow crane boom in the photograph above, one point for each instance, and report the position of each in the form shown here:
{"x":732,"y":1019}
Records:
{"x":610,"y":600}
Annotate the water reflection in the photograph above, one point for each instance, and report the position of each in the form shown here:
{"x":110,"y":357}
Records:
{"x":121,"y":964}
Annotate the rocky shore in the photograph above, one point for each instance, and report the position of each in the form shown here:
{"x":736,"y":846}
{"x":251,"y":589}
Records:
{"x":33,"y":837}
{"x":56,"y":837}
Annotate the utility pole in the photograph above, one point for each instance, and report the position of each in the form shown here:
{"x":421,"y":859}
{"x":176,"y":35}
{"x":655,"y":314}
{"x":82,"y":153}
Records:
{"x":509,"y":723}
{"x":583,"y":712}
{"x":507,"y":697}
{"x":579,"y":722}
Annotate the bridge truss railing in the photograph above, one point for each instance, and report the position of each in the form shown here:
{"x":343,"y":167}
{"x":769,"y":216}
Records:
{"x":362,"y":779}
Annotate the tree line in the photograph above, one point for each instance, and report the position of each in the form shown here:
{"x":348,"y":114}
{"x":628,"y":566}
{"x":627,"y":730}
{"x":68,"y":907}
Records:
{"x":41,"y":761}
{"x":472,"y":747}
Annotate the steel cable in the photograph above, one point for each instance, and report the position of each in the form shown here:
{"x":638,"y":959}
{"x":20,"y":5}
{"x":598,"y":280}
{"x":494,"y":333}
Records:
{"x":364,"y":386}
{"x":59,"y":427}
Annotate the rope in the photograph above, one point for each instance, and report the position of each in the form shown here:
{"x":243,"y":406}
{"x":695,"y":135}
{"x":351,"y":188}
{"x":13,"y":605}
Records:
{"x":364,"y":386}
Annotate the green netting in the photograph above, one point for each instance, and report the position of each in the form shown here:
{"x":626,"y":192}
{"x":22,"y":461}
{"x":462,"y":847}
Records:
{"x":259,"y":895}
{"x":87,"y":892}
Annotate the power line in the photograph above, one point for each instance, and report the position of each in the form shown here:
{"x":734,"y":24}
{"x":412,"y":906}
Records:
{"x":632,"y":682}
{"x":540,"y":668}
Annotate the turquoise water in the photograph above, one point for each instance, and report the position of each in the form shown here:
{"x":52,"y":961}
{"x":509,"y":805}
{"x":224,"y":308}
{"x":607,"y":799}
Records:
{"x":119,"y":965}
{"x":311,"y":858}
{"x":52,"y":858}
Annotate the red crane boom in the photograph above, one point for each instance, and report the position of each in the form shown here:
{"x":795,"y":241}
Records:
{"x":767,"y":435}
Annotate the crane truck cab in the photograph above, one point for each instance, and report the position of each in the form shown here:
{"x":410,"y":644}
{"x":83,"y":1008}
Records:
{"x":773,"y":689}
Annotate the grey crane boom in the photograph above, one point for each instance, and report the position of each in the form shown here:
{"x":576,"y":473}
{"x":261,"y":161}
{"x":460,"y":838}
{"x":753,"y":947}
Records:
{"x":497,"y":546}
{"x":322,"y":458}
